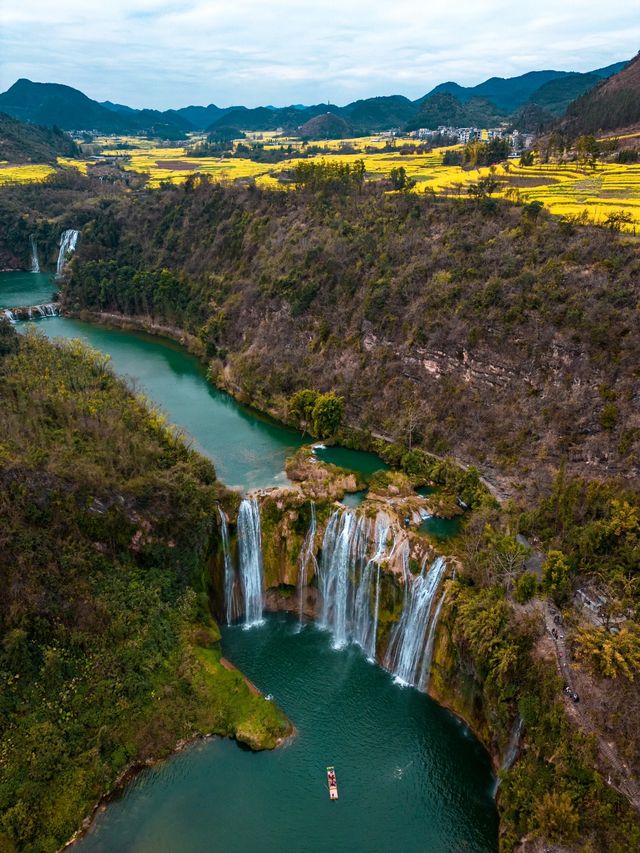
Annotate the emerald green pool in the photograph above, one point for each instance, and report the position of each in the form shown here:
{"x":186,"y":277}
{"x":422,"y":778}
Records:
{"x":355,"y":460}
{"x":410,"y":776}
{"x":441,"y":528}
{"x":25,"y":288}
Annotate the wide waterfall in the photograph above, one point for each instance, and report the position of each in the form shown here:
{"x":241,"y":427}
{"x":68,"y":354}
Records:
{"x":35,"y":263}
{"x":31,"y":312}
{"x":307,"y":558}
{"x":349,"y":581}
{"x":407,"y":646}
{"x":68,"y":242}
{"x":230,"y":609}
{"x":250,"y":552}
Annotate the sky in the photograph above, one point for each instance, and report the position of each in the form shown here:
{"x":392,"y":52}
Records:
{"x":171,"y":53}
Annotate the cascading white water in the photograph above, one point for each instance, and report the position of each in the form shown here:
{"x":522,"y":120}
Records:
{"x":51,"y":309}
{"x":365,"y":624}
{"x":35,"y":263}
{"x":407,"y":644}
{"x":333,"y":575}
{"x":10,"y":316}
{"x":350,"y":598}
{"x":512,"y":750}
{"x":425,"y":673}
{"x":250,"y":552}
{"x":229,"y":571}
{"x":68,"y":242}
{"x":307,"y":558}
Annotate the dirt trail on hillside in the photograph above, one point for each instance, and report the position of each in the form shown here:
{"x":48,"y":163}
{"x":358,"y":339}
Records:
{"x":616,"y":772}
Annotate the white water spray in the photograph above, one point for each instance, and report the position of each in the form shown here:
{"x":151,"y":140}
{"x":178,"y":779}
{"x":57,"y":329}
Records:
{"x":307,"y":558}
{"x":250,"y":551}
{"x":334,"y":575}
{"x":229,"y":570}
{"x":68,"y":242}
{"x":365,"y":623}
{"x":407,"y":644}
{"x":35,"y":263}
{"x":425,"y":674}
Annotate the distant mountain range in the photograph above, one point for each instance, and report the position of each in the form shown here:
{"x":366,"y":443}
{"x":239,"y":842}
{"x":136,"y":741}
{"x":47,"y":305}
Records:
{"x":536,"y":98}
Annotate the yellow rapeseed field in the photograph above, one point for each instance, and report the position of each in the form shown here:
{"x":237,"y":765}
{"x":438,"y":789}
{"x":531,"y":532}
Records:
{"x":24,"y":173}
{"x":567,"y":189}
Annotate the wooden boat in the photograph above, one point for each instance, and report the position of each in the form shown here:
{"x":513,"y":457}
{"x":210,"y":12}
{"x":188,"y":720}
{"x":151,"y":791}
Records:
{"x":333,"y":783}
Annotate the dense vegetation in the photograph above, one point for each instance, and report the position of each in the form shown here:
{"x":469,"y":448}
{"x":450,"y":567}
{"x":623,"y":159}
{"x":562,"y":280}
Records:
{"x":553,"y":792}
{"x":417,"y":312}
{"x":26,"y":143}
{"x":108,"y":655}
{"x":613,"y":105}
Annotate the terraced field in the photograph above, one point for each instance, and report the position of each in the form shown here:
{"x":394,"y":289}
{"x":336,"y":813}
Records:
{"x":568,"y":190}
{"x":564,"y":189}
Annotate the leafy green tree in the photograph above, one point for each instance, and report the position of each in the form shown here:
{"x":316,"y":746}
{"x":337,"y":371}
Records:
{"x":525,"y":588}
{"x":556,"y":818}
{"x":301,"y":405}
{"x":400,"y":180}
{"x":556,"y":573}
{"x":327,"y":414}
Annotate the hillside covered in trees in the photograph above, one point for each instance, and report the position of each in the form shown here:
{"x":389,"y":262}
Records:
{"x":27,"y":143}
{"x":484,"y":330}
{"x":108,"y":653}
{"x":613,"y":105}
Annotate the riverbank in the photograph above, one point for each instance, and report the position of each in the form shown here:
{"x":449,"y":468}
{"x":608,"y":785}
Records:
{"x":110,"y":655}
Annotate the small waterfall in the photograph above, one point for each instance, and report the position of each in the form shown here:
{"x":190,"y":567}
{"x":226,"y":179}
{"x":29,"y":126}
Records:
{"x":51,"y":309}
{"x":514,"y":744}
{"x":229,"y":570}
{"x":31,"y":312}
{"x":307,"y":558}
{"x":407,"y":644}
{"x":512,"y":751}
{"x":68,"y":242}
{"x":35,"y":263}
{"x":250,"y":550}
{"x":425,"y":675}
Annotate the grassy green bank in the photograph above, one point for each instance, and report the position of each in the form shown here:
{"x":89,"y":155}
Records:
{"x":109,"y":656}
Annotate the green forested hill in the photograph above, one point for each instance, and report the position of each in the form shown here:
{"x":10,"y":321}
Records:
{"x":27,"y":143}
{"x":108,"y":654}
{"x":487,"y":330}
{"x":613,"y":105}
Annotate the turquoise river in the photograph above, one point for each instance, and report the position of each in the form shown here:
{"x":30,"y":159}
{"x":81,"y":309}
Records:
{"x":411,"y":776}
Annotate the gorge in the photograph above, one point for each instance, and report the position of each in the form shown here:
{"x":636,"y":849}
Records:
{"x":350,"y":571}
{"x":406,"y":561}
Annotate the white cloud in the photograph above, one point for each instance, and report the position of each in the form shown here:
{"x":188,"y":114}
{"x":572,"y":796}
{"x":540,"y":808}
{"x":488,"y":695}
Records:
{"x":161,"y":54}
